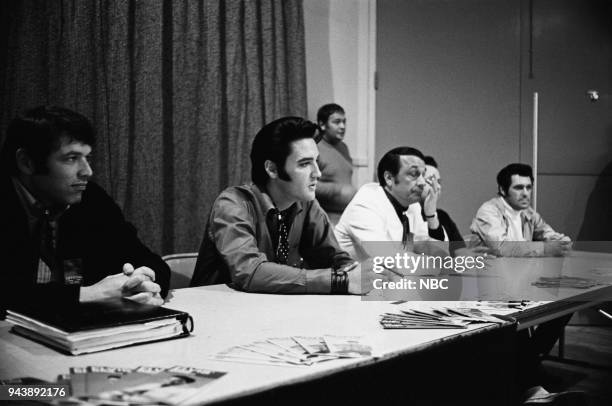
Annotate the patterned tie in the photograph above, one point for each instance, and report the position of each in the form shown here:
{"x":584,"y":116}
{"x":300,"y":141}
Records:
{"x":47,"y":248}
{"x":282,"y":250}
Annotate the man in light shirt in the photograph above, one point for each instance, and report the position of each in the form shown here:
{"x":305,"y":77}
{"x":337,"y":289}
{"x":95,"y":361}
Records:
{"x":509,"y":226}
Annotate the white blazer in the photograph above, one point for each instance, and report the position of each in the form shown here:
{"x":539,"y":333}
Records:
{"x":370,"y":216}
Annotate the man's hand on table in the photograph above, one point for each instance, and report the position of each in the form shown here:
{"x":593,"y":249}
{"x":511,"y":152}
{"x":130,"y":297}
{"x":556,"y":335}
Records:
{"x":134,"y":284}
{"x":361,"y":278}
{"x":557,"y":248}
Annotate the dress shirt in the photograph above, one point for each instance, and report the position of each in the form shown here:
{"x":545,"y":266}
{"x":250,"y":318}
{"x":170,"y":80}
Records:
{"x":515,"y":229}
{"x":239,"y":246}
{"x":437,"y":233}
{"x":43,"y":224}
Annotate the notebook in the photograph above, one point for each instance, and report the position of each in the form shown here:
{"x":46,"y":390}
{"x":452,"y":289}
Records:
{"x":99,"y":326}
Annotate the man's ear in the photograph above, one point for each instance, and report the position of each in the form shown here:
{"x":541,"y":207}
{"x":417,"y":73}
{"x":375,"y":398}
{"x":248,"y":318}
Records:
{"x":24,"y":162}
{"x":388,"y":178}
{"x":501,"y":191}
{"x":271,"y":169}
{"x":322,"y":126}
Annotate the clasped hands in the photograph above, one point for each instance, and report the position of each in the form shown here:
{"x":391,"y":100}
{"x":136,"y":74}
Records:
{"x":557,"y":244}
{"x":134,"y":284}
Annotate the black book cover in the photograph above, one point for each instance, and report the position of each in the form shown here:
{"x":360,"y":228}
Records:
{"x":102,"y":314}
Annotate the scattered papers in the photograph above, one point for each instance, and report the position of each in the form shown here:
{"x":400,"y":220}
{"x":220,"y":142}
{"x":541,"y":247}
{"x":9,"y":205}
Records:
{"x":602,"y":271}
{"x":444,"y":317}
{"x":99,"y":385}
{"x":566,"y":282}
{"x":505,"y":308}
{"x":296,"y":350}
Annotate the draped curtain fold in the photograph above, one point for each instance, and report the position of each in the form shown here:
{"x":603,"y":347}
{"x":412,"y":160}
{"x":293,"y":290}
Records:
{"x":176,"y":91}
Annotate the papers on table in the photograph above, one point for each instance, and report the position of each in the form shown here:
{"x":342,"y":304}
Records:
{"x":566,"y":282}
{"x":436,"y":318}
{"x":99,"y":385}
{"x":296,"y":350}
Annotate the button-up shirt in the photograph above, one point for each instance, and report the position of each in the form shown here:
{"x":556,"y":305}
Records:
{"x":36,"y":214}
{"x":239,"y":245}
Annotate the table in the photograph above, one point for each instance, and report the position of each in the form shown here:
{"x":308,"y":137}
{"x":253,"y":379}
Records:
{"x":420,"y":366}
{"x":511,"y":279}
{"x":563,"y":301}
{"x":409,"y":364}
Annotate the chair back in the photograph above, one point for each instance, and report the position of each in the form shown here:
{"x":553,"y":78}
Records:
{"x":181,"y":268}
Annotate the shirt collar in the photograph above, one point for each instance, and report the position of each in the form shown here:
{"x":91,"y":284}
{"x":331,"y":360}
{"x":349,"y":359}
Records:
{"x":33,"y":207}
{"x":268,"y":206}
{"x":510,"y":209}
{"x":524,"y":213}
{"x":399,"y":209}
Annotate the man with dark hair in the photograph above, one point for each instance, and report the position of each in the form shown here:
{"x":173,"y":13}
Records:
{"x":335,"y":189}
{"x":62,"y":238}
{"x":390,"y":210}
{"x":272,"y":235}
{"x":509,"y":226}
{"x":432,"y":176}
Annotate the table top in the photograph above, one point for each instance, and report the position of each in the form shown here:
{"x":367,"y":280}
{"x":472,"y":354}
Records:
{"x":223,"y":318}
{"x":518,"y":274}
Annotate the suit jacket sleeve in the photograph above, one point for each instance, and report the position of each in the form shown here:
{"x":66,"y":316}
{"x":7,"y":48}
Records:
{"x":111,"y":240}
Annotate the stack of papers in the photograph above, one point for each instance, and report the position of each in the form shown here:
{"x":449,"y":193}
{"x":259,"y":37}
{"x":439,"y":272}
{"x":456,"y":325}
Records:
{"x":296,"y":350}
{"x":144,"y":385}
{"x":565,"y":282}
{"x":444,"y":317}
{"x":505,"y":307}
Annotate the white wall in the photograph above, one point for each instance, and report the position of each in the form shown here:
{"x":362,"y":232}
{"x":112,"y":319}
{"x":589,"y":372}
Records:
{"x":339,"y":68}
{"x":449,"y":85}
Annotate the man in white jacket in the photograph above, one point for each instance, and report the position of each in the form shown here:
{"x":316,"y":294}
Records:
{"x":390,"y":211}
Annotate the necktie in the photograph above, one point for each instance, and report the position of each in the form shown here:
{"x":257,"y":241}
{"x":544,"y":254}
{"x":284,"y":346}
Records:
{"x":282,"y":250}
{"x":406,"y":231}
{"x":47,"y":248}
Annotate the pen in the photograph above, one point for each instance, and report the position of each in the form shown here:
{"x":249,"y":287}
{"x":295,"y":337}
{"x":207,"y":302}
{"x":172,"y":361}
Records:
{"x":608,"y":315}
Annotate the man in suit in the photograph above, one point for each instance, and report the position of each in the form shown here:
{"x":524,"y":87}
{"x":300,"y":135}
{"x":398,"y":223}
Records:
{"x":390,"y":210}
{"x":272,"y":235}
{"x":62,"y":238}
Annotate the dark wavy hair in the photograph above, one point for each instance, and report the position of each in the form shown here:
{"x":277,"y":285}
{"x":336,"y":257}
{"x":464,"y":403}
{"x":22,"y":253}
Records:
{"x":327,"y":110}
{"x":273,"y":142}
{"x":504,"y":177}
{"x":390,"y":162}
{"x":39,"y":132}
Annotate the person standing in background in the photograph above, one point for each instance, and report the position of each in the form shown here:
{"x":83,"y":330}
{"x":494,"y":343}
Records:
{"x":335,"y":189}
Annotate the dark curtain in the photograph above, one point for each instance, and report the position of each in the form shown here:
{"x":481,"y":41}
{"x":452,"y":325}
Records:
{"x":176,"y":91}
